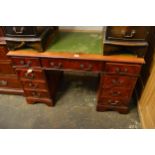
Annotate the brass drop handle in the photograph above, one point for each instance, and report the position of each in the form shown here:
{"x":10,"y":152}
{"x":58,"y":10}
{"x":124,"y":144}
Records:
{"x":89,"y":67}
{"x":113,"y":102}
{"x":3,"y":83}
{"x":52,"y":63}
{"x":29,"y":74}
{"x":59,"y":65}
{"x":56,"y":66}
{"x":28,"y":63}
{"x":126,"y":70}
{"x":33,"y":85}
{"x":131,"y":35}
{"x":22,"y":62}
{"x":18,"y":30}
{"x":116,"y":93}
{"x":114,"y":81}
{"x":82,"y":66}
{"x":36,"y":94}
{"x":117,"y":69}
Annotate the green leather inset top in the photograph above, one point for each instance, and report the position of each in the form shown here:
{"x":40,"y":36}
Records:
{"x":77,"y":42}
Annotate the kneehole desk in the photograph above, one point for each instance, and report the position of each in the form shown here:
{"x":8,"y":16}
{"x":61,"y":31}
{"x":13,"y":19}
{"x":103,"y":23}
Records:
{"x":77,"y":52}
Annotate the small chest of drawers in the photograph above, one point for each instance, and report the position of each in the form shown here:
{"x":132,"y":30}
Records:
{"x":126,"y":39}
{"x":9,"y":83}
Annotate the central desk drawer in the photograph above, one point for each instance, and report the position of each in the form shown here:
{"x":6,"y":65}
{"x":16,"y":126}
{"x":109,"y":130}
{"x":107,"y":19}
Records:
{"x":83,"y":65}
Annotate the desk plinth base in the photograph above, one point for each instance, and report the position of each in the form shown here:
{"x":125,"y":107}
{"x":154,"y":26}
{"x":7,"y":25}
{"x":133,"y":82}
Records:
{"x":48,"y":102}
{"x":120,"y":109}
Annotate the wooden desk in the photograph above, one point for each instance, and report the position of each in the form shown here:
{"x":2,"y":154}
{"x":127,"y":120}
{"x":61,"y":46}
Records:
{"x":77,"y":52}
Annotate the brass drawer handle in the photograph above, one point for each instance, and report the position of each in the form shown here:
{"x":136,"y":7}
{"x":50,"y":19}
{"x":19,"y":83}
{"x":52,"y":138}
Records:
{"x":36,"y":94}
{"x":22,"y":62}
{"x":29,"y":74}
{"x":82,"y":66}
{"x":116,"y":93}
{"x":131,"y":35}
{"x":89,"y":67}
{"x":126,"y":70}
{"x":56,"y":66}
{"x":117,"y":82}
{"x":3,"y":83}
{"x":113,"y":102}
{"x":18,"y":30}
{"x":118,"y":70}
{"x":33,"y":85}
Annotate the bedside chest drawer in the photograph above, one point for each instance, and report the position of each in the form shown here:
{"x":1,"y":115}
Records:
{"x":9,"y":82}
{"x":30,"y":74}
{"x":36,"y":94}
{"x":122,"y":69}
{"x":135,"y":33}
{"x":25,"y":62}
{"x":6,"y":67}
{"x":3,"y":52}
{"x":34,"y":85}
{"x":72,"y":65}
{"x":108,"y":81}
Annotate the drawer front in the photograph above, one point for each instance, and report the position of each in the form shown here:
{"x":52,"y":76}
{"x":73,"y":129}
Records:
{"x":18,"y":31}
{"x":112,"y":101}
{"x":136,"y":33}
{"x":9,"y":82}
{"x":34,"y":85}
{"x":115,"y":92}
{"x":72,"y":65}
{"x":6,"y":68}
{"x":122,"y":69}
{"x":108,"y":81}
{"x":37,"y":94}
{"x":25,"y":62}
{"x":30,"y":74}
{"x":3,"y":52}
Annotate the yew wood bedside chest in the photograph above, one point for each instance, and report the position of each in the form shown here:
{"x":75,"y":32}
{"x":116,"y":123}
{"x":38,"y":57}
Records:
{"x":40,"y":73}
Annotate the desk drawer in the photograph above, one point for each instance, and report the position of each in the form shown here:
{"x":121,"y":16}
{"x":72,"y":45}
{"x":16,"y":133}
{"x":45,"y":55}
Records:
{"x":122,"y":69}
{"x":34,"y":85}
{"x":83,"y":65}
{"x":25,"y":62}
{"x":110,"y":81}
{"x":135,"y":33}
{"x":30,"y":74}
{"x":115,"y":101}
{"x":115,"y":92}
{"x":36,"y":94}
